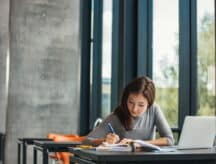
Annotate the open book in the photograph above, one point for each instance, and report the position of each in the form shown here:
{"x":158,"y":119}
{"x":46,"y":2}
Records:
{"x":114,"y":147}
{"x":136,"y":144}
{"x":145,"y":146}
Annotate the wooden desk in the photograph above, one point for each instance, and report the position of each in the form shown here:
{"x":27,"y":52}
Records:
{"x":198,"y":156}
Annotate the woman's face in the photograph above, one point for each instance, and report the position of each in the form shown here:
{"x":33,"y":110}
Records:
{"x":137,"y":104}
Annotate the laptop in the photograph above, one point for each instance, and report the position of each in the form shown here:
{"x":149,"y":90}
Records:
{"x":198,"y":132}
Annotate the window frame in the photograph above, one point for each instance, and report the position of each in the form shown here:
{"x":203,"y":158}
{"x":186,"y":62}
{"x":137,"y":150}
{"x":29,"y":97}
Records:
{"x":132,"y":54}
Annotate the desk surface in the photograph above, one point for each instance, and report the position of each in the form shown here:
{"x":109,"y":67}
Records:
{"x":178,"y":155}
{"x":30,"y":141}
{"x":55,"y":144}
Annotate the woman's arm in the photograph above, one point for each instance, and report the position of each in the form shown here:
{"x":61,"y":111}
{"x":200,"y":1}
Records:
{"x":93,"y":141}
{"x":110,"y":138}
{"x":102,"y":132}
{"x":163,"y":129}
{"x":163,"y":141}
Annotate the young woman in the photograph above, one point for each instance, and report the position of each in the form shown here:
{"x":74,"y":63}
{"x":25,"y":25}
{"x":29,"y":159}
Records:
{"x":136,"y":117}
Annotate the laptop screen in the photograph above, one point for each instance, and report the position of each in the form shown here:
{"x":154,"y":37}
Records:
{"x":198,"y":132}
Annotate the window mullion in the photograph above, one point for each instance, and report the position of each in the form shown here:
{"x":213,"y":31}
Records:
{"x":96,"y":63}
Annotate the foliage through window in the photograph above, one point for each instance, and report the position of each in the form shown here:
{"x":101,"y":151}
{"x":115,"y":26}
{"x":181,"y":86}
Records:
{"x":206,"y":57}
{"x":106,"y":57}
{"x":165,"y":57}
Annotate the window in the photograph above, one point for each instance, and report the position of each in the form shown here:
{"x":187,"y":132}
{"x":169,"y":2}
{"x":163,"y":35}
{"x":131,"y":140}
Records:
{"x":206,"y":57}
{"x":165,"y":57}
{"x":172,"y":41}
{"x":106,"y":57}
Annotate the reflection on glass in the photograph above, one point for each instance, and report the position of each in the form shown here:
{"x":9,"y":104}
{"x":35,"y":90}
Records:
{"x":91,"y":48}
{"x":165,"y":57}
{"x":106,"y":57}
{"x":206,"y":57}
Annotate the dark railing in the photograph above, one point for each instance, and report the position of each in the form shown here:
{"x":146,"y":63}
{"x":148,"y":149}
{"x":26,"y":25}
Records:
{"x":2,"y":147}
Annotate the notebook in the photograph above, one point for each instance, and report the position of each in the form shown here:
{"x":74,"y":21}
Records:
{"x":198,"y":132}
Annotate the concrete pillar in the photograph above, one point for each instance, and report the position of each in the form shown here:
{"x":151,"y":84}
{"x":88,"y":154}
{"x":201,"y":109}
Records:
{"x":4,"y":51}
{"x":44,"y":70}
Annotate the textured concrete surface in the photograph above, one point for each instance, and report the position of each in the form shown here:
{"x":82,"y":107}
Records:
{"x":44,"y":81}
{"x":4,"y":47}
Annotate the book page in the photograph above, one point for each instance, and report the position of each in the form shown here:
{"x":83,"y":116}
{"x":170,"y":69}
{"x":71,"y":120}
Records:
{"x":146,"y":145}
{"x":137,"y":145}
{"x":114,"y":147}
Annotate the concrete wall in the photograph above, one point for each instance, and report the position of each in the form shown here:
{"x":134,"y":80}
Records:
{"x":4,"y":47}
{"x":44,"y":70}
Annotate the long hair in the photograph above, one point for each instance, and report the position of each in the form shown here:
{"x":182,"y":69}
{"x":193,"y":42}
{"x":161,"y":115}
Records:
{"x":143,"y":85}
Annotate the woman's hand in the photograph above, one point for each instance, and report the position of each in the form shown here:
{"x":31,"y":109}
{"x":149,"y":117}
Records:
{"x":126,"y":140}
{"x":112,"y":138}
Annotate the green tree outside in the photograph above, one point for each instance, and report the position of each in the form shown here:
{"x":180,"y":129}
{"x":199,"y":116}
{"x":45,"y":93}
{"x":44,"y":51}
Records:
{"x":206,"y":62}
{"x":168,"y":97}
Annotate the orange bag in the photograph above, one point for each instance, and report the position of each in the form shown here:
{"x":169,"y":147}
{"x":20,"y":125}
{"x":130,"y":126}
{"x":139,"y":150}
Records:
{"x":64,"y":156}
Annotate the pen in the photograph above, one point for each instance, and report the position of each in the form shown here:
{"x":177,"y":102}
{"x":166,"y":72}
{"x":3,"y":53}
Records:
{"x":111,"y":128}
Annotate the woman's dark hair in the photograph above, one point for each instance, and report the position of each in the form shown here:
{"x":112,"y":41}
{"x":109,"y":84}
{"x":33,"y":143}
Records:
{"x":142,"y":85}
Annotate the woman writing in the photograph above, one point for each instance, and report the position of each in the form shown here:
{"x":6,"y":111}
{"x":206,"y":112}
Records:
{"x":135,"y":118}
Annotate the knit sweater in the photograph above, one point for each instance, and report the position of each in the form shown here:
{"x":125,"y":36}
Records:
{"x":143,"y":126}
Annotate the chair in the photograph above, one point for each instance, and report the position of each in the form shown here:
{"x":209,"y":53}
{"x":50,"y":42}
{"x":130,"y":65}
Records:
{"x":97,"y":122}
{"x":64,"y":156}
{"x":55,"y":142}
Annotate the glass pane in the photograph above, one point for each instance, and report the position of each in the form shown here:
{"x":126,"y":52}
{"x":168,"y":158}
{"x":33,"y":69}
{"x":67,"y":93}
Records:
{"x":206,"y":57}
{"x":106,"y":57}
{"x":91,"y":47}
{"x":165,"y":57}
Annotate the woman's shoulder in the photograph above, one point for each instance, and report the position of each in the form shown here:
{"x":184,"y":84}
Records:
{"x":154,"y":108}
{"x":111,"y":117}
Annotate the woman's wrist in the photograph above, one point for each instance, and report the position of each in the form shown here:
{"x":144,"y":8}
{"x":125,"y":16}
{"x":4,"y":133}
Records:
{"x":159,"y":142}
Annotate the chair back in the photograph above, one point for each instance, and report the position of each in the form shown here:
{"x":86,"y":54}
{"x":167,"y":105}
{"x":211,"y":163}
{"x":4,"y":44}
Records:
{"x":97,"y":122}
